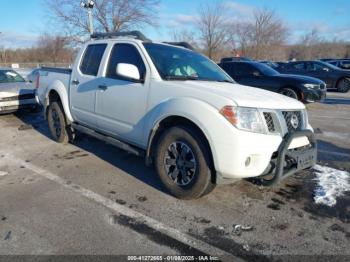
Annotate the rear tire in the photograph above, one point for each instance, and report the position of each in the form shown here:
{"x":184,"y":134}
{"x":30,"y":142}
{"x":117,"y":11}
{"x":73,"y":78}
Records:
{"x":183,"y":163}
{"x":290,"y":93}
{"x":343,"y":85}
{"x":60,"y":131}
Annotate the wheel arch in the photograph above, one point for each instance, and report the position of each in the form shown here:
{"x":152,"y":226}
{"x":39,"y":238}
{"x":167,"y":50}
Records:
{"x":172,"y":121}
{"x":58,"y":92}
{"x":299,"y":91}
{"x":340,"y":79}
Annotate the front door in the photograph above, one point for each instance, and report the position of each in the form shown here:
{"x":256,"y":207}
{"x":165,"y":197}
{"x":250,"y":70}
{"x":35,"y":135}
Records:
{"x":121,"y":103}
{"x":320,"y":71}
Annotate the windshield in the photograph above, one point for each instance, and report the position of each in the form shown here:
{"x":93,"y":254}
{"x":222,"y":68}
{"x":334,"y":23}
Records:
{"x":10,"y":76}
{"x":266,"y":70}
{"x":174,"y":63}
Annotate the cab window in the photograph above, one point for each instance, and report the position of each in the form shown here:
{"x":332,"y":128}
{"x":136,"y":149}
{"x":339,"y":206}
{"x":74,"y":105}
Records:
{"x":92,"y":59}
{"x":127,"y":54}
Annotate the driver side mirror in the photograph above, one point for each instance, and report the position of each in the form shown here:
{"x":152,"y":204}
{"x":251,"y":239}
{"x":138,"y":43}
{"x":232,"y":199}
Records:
{"x":128,"y":71}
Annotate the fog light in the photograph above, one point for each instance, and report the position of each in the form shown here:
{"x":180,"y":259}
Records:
{"x":247,"y":162}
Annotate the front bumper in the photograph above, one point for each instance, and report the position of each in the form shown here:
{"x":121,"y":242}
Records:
{"x":312,"y":95}
{"x":267,"y":155}
{"x":287,"y":162}
{"x":12,"y":106}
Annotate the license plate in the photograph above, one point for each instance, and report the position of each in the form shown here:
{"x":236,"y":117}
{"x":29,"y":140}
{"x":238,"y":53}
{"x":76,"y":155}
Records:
{"x":306,"y":159}
{"x":299,"y":142}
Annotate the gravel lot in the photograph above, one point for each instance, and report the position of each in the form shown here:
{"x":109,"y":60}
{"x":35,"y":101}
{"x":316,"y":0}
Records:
{"x":91,"y":198}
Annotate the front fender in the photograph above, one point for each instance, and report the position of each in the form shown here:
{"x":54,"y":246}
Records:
{"x":61,"y":90}
{"x":214,"y":126}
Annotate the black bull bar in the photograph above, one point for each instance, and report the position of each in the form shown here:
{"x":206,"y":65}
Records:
{"x":289,"y":161}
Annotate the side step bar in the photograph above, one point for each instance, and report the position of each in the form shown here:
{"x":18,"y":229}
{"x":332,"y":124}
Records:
{"x":109,"y":140}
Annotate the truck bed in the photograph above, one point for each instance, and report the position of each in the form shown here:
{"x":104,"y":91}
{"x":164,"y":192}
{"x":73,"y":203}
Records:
{"x":50,"y":75}
{"x":57,"y":70}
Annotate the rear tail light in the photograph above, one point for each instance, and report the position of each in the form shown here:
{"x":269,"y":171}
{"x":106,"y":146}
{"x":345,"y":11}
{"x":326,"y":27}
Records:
{"x":37,"y":81}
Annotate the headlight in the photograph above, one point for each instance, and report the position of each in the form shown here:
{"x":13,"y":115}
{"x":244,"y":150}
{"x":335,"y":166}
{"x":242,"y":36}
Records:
{"x":244,"y":118}
{"x":312,"y":86}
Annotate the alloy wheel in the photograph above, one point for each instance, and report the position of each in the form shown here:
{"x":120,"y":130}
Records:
{"x":180,"y":163}
{"x":56,"y":122}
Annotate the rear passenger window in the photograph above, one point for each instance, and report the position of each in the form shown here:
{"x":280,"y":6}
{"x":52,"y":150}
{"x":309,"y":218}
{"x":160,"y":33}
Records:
{"x":92,"y":59}
{"x":299,"y":66}
{"x":128,"y":54}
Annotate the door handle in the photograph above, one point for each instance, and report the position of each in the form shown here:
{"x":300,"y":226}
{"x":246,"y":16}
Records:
{"x":75,"y":82}
{"x":103,"y":87}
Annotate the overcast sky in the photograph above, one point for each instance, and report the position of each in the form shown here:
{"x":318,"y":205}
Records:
{"x":22,"y":21}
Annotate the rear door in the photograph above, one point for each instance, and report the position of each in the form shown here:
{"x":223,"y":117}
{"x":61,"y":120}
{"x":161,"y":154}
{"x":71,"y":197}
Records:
{"x":84,"y":84}
{"x":121,"y":103}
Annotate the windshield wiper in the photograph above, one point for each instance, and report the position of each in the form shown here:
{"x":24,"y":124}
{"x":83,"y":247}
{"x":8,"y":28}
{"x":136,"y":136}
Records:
{"x":173,"y":77}
{"x":225,"y":81}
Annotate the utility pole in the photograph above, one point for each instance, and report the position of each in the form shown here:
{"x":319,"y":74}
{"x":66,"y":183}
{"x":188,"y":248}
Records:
{"x":89,"y":5}
{"x":3,"y":55}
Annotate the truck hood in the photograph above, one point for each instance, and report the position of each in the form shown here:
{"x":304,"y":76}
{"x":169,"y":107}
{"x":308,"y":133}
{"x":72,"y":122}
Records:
{"x":241,"y":95}
{"x":15,"y":89}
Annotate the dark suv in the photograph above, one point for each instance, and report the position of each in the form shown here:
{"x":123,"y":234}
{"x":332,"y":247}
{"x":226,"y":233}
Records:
{"x":334,"y":77}
{"x":306,"y":89}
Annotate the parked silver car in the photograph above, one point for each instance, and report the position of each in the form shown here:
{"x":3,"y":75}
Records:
{"x":15,"y":92}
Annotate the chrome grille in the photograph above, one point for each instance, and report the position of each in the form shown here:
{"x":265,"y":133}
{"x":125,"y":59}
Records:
{"x":294,"y":120}
{"x":269,"y":122}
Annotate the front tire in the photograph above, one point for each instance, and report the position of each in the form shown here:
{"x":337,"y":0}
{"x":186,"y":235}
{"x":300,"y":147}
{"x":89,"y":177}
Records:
{"x":343,"y":85}
{"x":60,"y":131}
{"x":290,"y":93}
{"x":183,"y":163}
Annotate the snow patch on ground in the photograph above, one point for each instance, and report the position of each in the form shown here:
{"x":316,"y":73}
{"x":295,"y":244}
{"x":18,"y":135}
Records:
{"x":331,"y":184}
{"x":2,"y":173}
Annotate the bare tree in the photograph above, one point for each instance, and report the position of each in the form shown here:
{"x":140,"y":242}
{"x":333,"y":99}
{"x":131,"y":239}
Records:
{"x":262,"y":38}
{"x":53,"y":48}
{"x":109,"y":15}
{"x":313,"y":46}
{"x":241,"y":35}
{"x":212,"y":27}
{"x":269,"y":32}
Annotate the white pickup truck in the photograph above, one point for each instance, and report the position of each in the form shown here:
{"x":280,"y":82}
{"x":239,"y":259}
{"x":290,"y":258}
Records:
{"x":180,"y":111}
